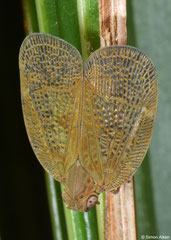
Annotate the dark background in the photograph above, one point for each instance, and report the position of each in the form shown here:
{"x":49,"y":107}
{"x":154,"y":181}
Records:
{"x":24,"y":208}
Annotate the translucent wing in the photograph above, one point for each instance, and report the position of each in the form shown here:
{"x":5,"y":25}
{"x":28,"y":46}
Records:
{"x":51,"y":76}
{"x":119,"y":108}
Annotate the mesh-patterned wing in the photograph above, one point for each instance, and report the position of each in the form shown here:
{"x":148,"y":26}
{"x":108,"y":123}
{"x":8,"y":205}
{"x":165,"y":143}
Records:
{"x":51,"y":76}
{"x":119,"y":108}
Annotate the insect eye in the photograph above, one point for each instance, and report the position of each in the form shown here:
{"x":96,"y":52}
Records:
{"x":92,"y":200}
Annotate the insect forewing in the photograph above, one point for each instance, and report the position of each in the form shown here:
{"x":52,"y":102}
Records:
{"x":51,"y":76}
{"x":119,"y":108}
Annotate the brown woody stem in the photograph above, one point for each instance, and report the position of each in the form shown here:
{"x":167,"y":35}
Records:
{"x":120,"y":208}
{"x":113,"y":28}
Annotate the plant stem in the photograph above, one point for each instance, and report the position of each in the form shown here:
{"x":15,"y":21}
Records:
{"x":30,"y":16}
{"x":113,"y":28}
{"x":56,"y":208}
{"x":100,"y":209}
{"x":89,"y":26}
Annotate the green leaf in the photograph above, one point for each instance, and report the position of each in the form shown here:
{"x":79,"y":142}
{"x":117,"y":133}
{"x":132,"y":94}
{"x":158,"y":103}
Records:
{"x":67,"y":16}
{"x":88,"y":15}
{"x":30,"y":16}
{"x":47,"y":16}
{"x":81,"y":226}
{"x":56,"y":208}
{"x":101,"y":216}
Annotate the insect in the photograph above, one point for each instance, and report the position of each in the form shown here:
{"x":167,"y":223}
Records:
{"x":89,"y":127}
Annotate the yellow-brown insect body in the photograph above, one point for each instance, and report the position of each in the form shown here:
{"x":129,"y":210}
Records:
{"x":79,"y":189}
{"x":89,"y":131}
